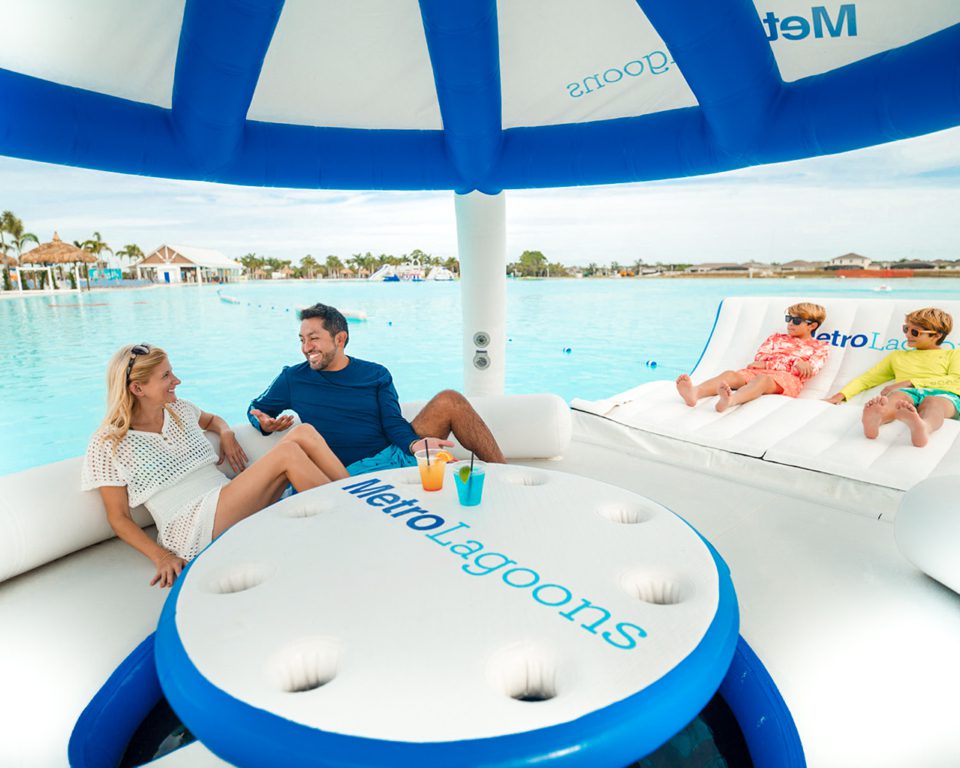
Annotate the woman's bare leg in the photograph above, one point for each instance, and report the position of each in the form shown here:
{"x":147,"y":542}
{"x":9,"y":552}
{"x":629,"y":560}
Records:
{"x":261,"y":484}
{"x":691,"y":392}
{"x":313,"y":444}
{"x":756,"y":387}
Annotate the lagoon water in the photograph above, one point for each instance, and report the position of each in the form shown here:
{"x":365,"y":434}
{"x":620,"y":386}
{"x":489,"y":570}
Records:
{"x":579,"y":338}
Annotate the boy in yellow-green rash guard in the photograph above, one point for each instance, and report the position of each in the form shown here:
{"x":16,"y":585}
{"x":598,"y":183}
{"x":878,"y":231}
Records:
{"x":926,"y":380}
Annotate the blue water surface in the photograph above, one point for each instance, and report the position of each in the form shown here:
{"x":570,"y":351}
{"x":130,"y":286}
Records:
{"x":584,"y":338}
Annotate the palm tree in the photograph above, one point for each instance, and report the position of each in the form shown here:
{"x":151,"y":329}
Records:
{"x":96,"y":246}
{"x":131,"y":252}
{"x":13,"y":226}
{"x":309,"y":266}
{"x":334,"y":266}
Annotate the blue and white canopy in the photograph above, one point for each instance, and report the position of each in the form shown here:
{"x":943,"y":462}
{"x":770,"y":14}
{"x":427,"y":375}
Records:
{"x":467,"y":94}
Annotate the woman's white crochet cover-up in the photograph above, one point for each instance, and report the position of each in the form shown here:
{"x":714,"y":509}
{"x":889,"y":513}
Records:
{"x":172,"y":472}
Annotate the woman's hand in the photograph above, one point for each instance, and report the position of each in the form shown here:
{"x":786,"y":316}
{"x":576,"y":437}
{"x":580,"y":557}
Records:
{"x":803,"y":368}
{"x":168,"y":568}
{"x":837,"y":398}
{"x":755,"y":364}
{"x":231,"y":451}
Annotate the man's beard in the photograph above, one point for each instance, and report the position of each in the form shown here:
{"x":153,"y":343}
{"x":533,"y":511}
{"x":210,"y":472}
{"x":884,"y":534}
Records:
{"x":323,"y":363}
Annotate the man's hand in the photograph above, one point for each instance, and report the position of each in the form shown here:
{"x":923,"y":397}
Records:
{"x":837,"y":398}
{"x":895,"y":386}
{"x":433,"y":442}
{"x":269,"y":424}
{"x":803,"y":368}
{"x":168,"y":568}
{"x":231,"y":451}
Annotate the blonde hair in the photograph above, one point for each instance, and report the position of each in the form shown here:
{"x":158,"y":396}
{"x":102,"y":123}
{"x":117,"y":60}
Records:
{"x":932,"y":319}
{"x":124,"y":369}
{"x":808,"y":311}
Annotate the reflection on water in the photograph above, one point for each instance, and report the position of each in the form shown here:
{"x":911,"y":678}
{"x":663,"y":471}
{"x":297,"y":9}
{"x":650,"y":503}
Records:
{"x":54,"y":349}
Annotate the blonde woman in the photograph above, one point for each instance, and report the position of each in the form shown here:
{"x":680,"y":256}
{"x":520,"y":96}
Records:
{"x":151,"y":450}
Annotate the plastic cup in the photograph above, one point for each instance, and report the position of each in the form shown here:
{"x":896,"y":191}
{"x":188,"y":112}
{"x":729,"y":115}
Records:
{"x":470,"y":483}
{"x":431,"y":475}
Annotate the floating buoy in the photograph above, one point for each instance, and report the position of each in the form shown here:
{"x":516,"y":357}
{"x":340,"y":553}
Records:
{"x":389,"y":322}
{"x":651,"y":363}
{"x":567,"y":350}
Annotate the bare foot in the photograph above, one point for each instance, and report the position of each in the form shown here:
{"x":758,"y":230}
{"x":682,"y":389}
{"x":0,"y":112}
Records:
{"x":873,"y":416}
{"x":907,"y":413}
{"x":687,"y":390}
{"x":723,"y":400}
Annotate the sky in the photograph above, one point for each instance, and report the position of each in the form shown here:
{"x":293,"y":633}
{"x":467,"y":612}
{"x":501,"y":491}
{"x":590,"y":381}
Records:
{"x":898,"y":200}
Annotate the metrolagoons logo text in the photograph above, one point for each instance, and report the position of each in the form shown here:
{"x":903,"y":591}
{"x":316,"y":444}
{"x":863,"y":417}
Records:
{"x":479,"y":561}
{"x":820,"y":24}
{"x":869,"y":340}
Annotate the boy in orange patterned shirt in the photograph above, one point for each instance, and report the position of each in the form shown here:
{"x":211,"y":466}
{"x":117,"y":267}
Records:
{"x":783,"y":364}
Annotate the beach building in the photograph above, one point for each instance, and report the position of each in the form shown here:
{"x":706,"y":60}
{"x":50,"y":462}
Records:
{"x":186,"y":264}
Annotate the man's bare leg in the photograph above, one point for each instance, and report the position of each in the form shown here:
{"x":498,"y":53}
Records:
{"x":691,"y":392}
{"x":449,"y":411}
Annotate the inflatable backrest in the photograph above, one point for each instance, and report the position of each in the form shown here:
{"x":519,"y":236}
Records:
{"x":44,"y":514}
{"x":860,"y":333}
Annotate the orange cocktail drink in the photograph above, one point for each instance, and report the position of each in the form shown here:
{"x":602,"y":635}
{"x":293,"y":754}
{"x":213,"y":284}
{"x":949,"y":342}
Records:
{"x":432,"y":467}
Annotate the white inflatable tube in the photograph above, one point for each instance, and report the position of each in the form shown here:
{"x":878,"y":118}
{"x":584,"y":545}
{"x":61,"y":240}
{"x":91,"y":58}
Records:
{"x":44,"y":515}
{"x":927,"y":529}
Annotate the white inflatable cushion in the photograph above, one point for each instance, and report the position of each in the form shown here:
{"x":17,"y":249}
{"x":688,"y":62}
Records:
{"x":927,"y":529}
{"x":44,"y":514}
{"x":525,"y":426}
{"x":429,"y":628}
{"x":804,"y":432}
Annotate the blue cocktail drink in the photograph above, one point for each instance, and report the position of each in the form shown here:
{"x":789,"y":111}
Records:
{"x":470,"y":483}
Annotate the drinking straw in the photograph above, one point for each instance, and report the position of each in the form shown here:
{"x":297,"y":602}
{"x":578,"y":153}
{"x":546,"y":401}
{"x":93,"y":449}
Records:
{"x":471,"y":463}
{"x":426,"y":447}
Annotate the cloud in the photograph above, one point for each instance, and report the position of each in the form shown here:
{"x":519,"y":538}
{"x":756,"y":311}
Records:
{"x":886,"y":201}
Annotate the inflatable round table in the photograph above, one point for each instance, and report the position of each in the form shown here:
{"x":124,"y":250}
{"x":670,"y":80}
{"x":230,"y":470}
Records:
{"x":371,"y":623}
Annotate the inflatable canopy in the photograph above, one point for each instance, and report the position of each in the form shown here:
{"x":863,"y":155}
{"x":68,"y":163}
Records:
{"x":468,"y":95}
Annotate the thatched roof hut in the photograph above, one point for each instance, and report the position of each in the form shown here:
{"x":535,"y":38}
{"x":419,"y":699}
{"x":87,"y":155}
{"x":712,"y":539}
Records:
{"x":57,"y":252}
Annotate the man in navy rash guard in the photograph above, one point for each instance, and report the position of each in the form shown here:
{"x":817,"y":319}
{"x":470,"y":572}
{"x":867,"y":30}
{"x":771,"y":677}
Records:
{"x":353,"y":404}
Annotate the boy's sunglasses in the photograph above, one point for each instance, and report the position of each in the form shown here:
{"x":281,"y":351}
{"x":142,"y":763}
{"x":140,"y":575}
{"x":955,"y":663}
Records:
{"x":144,"y":349}
{"x":914,"y":332}
{"x":797,"y":320}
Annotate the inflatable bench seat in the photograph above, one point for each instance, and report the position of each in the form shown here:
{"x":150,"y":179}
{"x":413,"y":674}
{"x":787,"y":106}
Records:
{"x":802,"y":432}
{"x":44,"y":515}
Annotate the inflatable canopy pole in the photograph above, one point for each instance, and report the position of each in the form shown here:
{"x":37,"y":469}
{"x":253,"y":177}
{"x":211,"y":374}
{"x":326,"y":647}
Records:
{"x":482,"y":242}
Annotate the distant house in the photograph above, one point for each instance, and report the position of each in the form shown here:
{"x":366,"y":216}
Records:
{"x":715,"y":266}
{"x":913,"y":265}
{"x":802,"y":266}
{"x":849,"y":261}
{"x":186,"y":264}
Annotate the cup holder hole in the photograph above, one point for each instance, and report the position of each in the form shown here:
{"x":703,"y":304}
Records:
{"x":525,"y":674}
{"x":299,"y":509}
{"x":655,"y":589}
{"x":626,"y":513}
{"x":409,"y":476}
{"x":525,"y":478}
{"x":305,"y":665}
{"x":240,"y":578}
